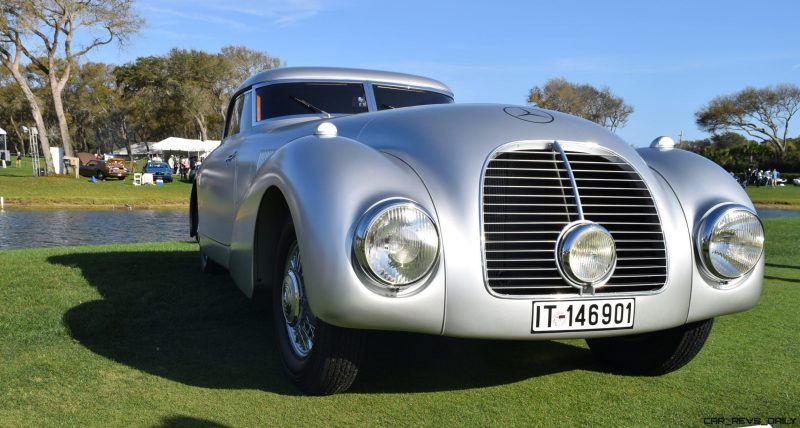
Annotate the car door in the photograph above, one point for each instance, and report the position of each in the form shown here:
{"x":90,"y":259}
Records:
{"x":89,"y":168}
{"x":217,"y":185}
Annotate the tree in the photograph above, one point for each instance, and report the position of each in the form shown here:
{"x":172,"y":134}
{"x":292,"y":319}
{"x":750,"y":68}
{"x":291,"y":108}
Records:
{"x":12,"y":32}
{"x":92,"y":104}
{"x":732,"y":152}
{"x":151,"y":112}
{"x":728,"y":140}
{"x":241,"y":63}
{"x":14,"y":111}
{"x":583,"y":100}
{"x":763,"y":114}
{"x":195,"y":80}
{"x":186,"y":92}
{"x":51,"y":26}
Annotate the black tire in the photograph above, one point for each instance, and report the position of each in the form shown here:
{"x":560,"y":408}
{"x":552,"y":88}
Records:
{"x":209,"y":266}
{"x":332,"y":363}
{"x":100,"y":175}
{"x":193,"y":215}
{"x":654,"y":353}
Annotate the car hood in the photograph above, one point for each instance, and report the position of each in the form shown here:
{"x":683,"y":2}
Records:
{"x":448,"y":145}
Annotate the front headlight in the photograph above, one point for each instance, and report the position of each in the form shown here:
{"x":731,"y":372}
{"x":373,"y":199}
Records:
{"x":396,"y":243}
{"x":587,"y":254}
{"x":730,"y":241}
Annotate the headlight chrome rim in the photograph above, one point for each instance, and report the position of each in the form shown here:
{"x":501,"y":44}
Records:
{"x":705,"y":230}
{"x":374,"y":281}
{"x":564,"y":245}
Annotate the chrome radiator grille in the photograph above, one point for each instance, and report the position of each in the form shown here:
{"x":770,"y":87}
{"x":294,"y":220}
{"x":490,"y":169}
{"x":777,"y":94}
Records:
{"x":528,"y":198}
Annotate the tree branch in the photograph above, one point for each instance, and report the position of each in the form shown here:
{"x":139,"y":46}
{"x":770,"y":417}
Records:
{"x":95,"y":43}
{"x":33,"y":59}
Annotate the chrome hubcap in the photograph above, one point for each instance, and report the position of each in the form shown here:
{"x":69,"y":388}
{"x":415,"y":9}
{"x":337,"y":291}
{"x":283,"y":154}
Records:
{"x":291,"y":298}
{"x":298,"y":319}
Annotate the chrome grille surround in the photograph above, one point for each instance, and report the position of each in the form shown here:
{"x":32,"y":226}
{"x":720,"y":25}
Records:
{"x":529,"y":195}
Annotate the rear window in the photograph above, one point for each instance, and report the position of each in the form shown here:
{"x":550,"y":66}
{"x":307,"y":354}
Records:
{"x":116,"y":163}
{"x":286,"y":99}
{"x":389,"y":97}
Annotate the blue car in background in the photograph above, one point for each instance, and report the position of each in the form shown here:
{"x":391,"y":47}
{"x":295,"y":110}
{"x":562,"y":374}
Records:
{"x":159,"y":170}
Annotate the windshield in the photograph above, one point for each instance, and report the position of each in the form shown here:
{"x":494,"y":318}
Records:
{"x":285,"y":99}
{"x":157,"y":165}
{"x":389,"y":97}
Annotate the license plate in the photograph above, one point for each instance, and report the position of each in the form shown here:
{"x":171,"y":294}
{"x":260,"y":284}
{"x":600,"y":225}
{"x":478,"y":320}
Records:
{"x":579,"y":315}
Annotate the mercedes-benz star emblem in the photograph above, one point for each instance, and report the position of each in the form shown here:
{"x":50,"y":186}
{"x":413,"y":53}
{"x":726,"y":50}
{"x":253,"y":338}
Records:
{"x":529,"y":114}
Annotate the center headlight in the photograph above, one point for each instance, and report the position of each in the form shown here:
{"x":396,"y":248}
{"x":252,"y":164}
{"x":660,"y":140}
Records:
{"x":396,"y":243}
{"x":730,"y":241}
{"x":587,"y":255}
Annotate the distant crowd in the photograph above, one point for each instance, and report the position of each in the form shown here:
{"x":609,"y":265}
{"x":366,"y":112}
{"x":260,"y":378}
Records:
{"x":759,"y":177}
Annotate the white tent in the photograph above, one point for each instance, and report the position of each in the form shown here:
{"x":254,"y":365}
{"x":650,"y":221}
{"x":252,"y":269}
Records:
{"x":3,"y":137}
{"x":172,"y":144}
{"x":175,"y":144}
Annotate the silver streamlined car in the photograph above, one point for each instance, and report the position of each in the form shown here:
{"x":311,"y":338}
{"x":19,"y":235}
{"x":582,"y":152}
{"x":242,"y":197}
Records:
{"x":368,"y":200}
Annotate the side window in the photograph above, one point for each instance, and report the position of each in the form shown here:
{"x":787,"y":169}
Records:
{"x":235,"y":117}
{"x":390,"y":97}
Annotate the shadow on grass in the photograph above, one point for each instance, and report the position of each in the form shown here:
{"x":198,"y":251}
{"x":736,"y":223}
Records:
{"x":187,"y":422}
{"x":159,"y":314}
{"x":775,"y":265}
{"x":404,"y":362}
{"x":172,"y":321}
{"x":777,"y":278}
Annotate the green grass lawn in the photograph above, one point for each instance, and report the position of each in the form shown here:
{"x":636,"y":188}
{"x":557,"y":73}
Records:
{"x":134,"y":335}
{"x":21,"y":188}
{"x":779,"y":197}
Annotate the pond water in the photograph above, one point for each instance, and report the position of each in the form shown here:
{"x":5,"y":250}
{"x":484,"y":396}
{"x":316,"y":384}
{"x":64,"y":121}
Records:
{"x":32,"y":229}
{"x":765,"y":213}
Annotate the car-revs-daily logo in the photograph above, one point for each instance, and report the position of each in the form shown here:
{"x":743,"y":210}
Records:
{"x":529,"y":114}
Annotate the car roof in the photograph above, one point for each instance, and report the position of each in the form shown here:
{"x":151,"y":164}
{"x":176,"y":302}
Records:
{"x":336,"y":73}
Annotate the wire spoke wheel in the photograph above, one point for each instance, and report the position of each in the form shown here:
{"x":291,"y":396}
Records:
{"x":319,"y":358}
{"x":298,"y":319}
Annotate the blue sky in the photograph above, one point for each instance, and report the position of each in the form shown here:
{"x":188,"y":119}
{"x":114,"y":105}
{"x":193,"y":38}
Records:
{"x":667,"y":59}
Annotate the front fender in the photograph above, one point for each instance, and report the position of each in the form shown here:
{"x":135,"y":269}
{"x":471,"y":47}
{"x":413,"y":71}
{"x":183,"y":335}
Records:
{"x":700,"y":185}
{"x":328,"y":184}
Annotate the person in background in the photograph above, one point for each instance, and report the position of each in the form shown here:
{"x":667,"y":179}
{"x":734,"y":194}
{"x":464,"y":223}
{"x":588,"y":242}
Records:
{"x":157,"y":158}
{"x":19,"y":159}
{"x":184,"y":168}
{"x":775,"y":176}
{"x":171,"y":162}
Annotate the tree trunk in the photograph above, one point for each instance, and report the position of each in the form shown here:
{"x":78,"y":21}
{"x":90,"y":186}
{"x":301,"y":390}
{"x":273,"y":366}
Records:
{"x":20,"y":144}
{"x":126,"y":137}
{"x":63,"y":127}
{"x":201,"y":126}
{"x":37,"y":117}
